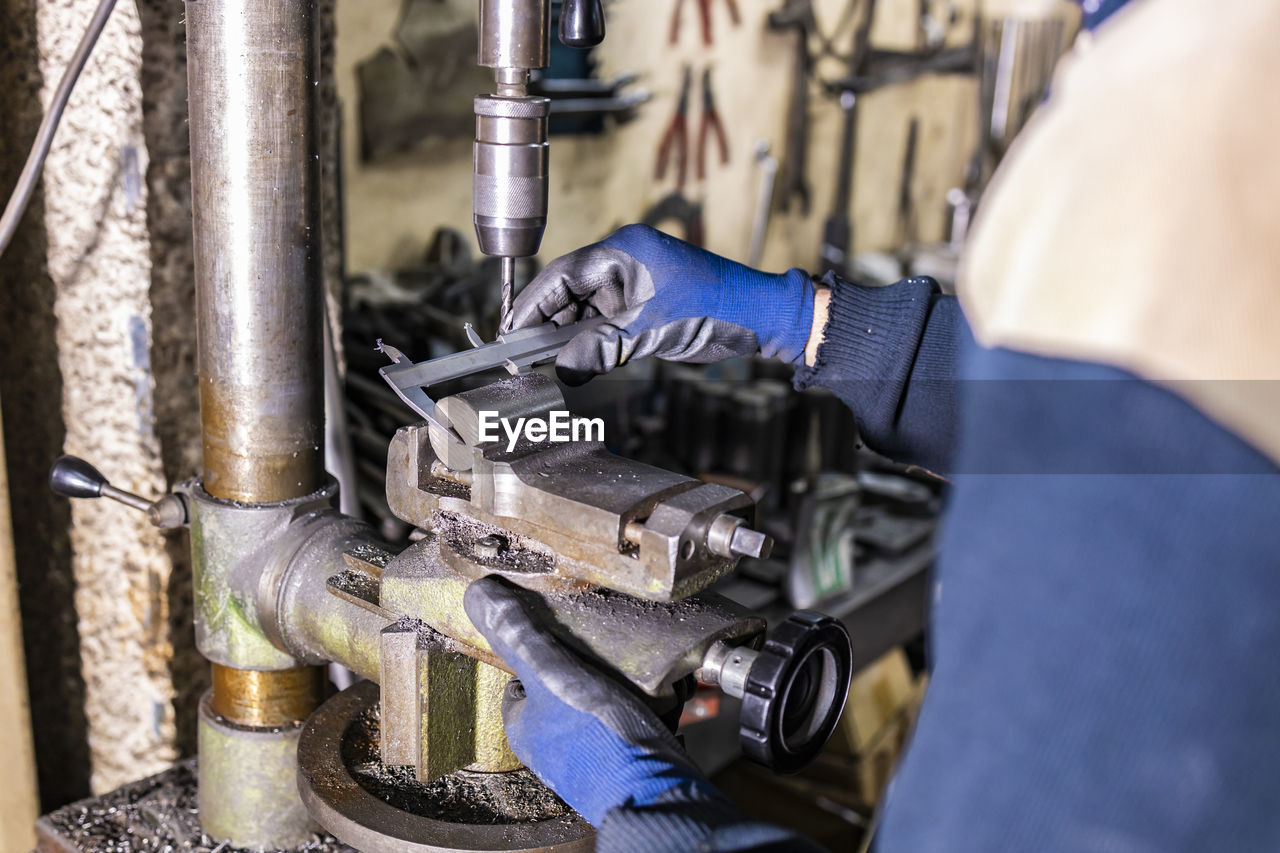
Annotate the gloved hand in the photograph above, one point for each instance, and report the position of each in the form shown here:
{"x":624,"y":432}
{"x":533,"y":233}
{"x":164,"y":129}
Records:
{"x":665,"y":298}
{"x":581,"y":732}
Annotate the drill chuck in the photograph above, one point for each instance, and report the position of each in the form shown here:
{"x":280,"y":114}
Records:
{"x":510,"y":183}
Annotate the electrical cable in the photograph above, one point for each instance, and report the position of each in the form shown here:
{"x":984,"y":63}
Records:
{"x":25,"y":188}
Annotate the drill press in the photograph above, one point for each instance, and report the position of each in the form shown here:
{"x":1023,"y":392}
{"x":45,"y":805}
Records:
{"x":616,"y":555}
{"x":510,"y":165}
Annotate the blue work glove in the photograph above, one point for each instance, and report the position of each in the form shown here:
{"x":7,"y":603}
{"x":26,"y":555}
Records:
{"x":583,"y":734}
{"x":665,"y":298}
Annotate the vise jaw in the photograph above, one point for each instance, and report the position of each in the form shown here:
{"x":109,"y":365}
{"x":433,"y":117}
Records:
{"x":605,"y":520}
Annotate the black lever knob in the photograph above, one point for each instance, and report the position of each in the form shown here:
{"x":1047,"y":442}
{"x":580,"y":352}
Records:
{"x":581,"y":23}
{"x":72,"y":477}
{"x":794,"y":692}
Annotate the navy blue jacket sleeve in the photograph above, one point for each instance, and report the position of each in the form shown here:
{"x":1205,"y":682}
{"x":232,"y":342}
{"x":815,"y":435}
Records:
{"x":890,"y":353}
{"x":1104,"y":626}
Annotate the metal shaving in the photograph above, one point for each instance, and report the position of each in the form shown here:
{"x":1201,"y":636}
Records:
{"x":357,"y":585}
{"x":153,"y":815}
{"x":462,"y":797}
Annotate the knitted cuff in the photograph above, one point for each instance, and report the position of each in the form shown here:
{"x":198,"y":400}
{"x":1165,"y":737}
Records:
{"x":871,"y":332}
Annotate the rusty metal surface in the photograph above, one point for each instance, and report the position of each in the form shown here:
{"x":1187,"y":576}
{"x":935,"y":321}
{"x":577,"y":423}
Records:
{"x":251,"y":81}
{"x":315,"y":602}
{"x":441,"y":710}
{"x":262,"y":597}
{"x":153,"y":815}
{"x":380,"y":811}
{"x":247,"y":788}
{"x":233,"y":545}
{"x":250,"y":697}
{"x":650,"y":643}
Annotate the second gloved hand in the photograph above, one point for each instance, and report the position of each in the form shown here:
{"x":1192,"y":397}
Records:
{"x":581,"y":732}
{"x":669,"y":299}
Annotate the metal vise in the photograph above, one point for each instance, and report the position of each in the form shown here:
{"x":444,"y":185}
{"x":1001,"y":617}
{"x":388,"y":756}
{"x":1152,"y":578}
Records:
{"x":615,"y":553}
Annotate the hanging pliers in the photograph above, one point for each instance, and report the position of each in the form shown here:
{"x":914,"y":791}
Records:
{"x":704,"y":16}
{"x":677,"y":136}
{"x":710,"y":121}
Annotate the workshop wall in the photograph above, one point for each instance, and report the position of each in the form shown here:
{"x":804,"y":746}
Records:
{"x":600,"y":182}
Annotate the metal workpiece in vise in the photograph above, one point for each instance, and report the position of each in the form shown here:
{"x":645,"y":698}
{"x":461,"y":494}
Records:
{"x":607,"y":520}
{"x":511,"y":157}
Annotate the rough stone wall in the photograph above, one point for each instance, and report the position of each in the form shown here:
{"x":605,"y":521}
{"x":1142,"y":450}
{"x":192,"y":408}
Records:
{"x":100,"y":262}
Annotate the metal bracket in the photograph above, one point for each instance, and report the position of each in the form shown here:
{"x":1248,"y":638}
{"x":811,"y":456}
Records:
{"x":516,"y":351}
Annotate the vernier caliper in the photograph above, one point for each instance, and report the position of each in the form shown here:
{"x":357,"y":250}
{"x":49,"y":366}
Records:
{"x":516,"y":351}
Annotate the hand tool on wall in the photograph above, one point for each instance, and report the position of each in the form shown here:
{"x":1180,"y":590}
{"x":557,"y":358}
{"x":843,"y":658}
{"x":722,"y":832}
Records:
{"x":579,"y":106}
{"x":906,"y":204}
{"x":934,"y":24}
{"x":704,"y":17}
{"x":678,"y":209}
{"x":710,"y":122}
{"x":869,"y":70}
{"x":837,"y":232}
{"x":764,"y":203}
{"x":675,"y":140}
{"x":795,"y":17}
{"x":1016,"y":58}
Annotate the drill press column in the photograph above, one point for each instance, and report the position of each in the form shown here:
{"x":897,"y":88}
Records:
{"x":251,"y":76}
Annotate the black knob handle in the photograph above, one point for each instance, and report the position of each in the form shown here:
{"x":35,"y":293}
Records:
{"x":795,"y":691}
{"x":72,"y":477}
{"x":581,"y":23}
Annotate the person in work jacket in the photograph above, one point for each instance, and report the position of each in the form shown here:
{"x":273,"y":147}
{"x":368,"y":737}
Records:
{"x":1102,"y":395}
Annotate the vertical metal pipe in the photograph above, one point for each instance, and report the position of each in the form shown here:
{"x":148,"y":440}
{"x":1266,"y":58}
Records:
{"x":255,"y":188}
{"x":251,"y":79}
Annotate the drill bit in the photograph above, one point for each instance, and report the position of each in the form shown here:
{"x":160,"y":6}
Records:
{"x":508,"y":293}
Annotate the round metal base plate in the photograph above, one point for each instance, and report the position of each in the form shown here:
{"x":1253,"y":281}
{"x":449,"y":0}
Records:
{"x":334,"y":751}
